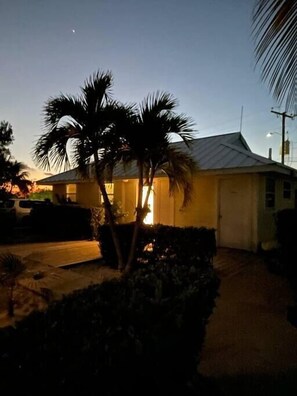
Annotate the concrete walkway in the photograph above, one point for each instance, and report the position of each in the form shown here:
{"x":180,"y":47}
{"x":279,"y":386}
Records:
{"x":250,"y":347}
{"x":49,"y":260}
{"x":55,"y":254}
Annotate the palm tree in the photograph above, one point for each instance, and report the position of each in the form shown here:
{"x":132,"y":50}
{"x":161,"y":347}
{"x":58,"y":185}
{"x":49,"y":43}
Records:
{"x":84,"y":122}
{"x":17,"y":176}
{"x":6,"y":137}
{"x":12,"y":172}
{"x":275,"y":33}
{"x":147,"y":141}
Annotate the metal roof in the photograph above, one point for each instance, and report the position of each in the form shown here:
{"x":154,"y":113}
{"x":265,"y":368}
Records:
{"x":213,"y":153}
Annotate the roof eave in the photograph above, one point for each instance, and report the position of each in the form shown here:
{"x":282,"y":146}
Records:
{"x":253,"y":169}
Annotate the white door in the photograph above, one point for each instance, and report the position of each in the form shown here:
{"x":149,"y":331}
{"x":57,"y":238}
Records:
{"x":235,"y":214}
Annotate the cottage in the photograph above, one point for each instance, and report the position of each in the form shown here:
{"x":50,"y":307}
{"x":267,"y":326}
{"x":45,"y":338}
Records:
{"x":236,"y":191}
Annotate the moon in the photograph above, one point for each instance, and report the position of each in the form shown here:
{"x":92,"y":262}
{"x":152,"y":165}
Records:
{"x":73,"y":31}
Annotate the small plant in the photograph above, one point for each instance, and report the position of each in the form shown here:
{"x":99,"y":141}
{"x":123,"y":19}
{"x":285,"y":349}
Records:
{"x":10,"y":268}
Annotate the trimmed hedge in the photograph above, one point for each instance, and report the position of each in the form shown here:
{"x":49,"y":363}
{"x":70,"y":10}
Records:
{"x":7,"y":223}
{"x":141,"y":335}
{"x":62,"y":221}
{"x":188,"y":243}
{"x":286,"y":225}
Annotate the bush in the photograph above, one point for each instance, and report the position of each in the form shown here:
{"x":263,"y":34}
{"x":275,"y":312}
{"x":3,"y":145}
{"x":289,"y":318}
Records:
{"x":139,"y":335}
{"x":62,"y":221}
{"x":286,"y":225}
{"x":7,"y":223}
{"x":188,"y":243}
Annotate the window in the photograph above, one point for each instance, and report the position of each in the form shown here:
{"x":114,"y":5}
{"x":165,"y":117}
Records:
{"x":270,"y":193}
{"x":71,"y":192}
{"x":25,"y":204}
{"x":287,"y":190}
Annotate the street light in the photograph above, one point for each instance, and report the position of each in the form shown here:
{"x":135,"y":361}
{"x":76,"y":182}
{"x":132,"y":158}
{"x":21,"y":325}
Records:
{"x":285,"y":145}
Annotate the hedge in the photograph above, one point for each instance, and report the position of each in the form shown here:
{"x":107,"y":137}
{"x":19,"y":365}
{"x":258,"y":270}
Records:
{"x":140,"y":335}
{"x":7,"y":223}
{"x":286,"y":225}
{"x":62,"y":221}
{"x":188,"y":243}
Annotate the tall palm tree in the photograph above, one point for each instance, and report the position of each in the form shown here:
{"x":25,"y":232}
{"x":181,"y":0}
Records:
{"x":147,"y":141}
{"x":17,"y":176}
{"x":78,"y":133}
{"x":275,"y":33}
{"x":6,"y":137}
{"x":13,"y":174}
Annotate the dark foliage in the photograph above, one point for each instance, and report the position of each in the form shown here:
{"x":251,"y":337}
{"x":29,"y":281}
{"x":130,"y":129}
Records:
{"x":7,"y":222}
{"x":183,"y":244}
{"x":286,"y":224}
{"x":62,"y":221}
{"x":140,"y":335}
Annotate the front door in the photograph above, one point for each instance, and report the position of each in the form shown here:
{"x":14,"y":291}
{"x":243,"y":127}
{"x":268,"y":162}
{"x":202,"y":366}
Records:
{"x":235,"y":213}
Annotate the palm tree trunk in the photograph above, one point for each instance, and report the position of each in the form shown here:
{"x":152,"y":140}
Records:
{"x":145,"y":204}
{"x":110,"y":216}
{"x":138,"y":221}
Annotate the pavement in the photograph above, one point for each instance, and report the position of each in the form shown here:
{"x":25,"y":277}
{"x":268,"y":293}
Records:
{"x":250,"y":347}
{"x":55,"y":254}
{"x":45,"y":263}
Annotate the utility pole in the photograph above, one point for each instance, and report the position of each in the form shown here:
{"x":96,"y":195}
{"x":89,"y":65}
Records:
{"x":283,"y":115}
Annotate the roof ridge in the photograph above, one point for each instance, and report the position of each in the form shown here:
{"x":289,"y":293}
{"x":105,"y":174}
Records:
{"x":209,"y":137}
{"x":249,"y":153}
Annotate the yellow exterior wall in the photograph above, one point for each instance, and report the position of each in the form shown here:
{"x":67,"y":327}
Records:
{"x":202,"y":210}
{"x":60,"y":190}
{"x":257,"y":222}
{"x":163,"y":203}
{"x":87,"y":194}
{"x":125,"y":193}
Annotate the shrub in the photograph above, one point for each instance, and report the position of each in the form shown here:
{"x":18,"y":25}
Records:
{"x":188,"y":243}
{"x":7,"y":223}
{"x":62,"y":221}
{"x":286,"y":225}
{"x":139,"y":335}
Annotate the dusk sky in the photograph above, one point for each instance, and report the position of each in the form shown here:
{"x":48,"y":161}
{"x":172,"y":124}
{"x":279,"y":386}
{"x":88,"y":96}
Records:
{"x":200,"y":51}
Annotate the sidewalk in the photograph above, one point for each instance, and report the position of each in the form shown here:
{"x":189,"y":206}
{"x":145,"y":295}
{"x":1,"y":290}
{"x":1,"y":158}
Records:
{"x":49,"y":262}
{"x":250,"y":347}
{"x":55,"y":254}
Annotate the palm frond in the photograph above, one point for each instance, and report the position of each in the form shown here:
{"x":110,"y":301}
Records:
{"x":155,"y":104}
{"x":179,"y":168}
{"x":275,"y":35}
{"x":11,"y":266}
{"x":51,"y":148}
{"x":63,"y":107}
{"x":6,"y":134}
{"x":97,"y":90}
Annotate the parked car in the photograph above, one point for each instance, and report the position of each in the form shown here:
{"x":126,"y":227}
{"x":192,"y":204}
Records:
{"x":19,"y":208}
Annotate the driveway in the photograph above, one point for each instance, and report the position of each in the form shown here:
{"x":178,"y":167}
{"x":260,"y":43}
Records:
{"x":55,"y":254}
{"x":250,"y":347}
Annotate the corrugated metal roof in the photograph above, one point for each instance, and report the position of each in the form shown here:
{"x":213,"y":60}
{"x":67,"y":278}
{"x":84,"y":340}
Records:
{"x":215,"y":153}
